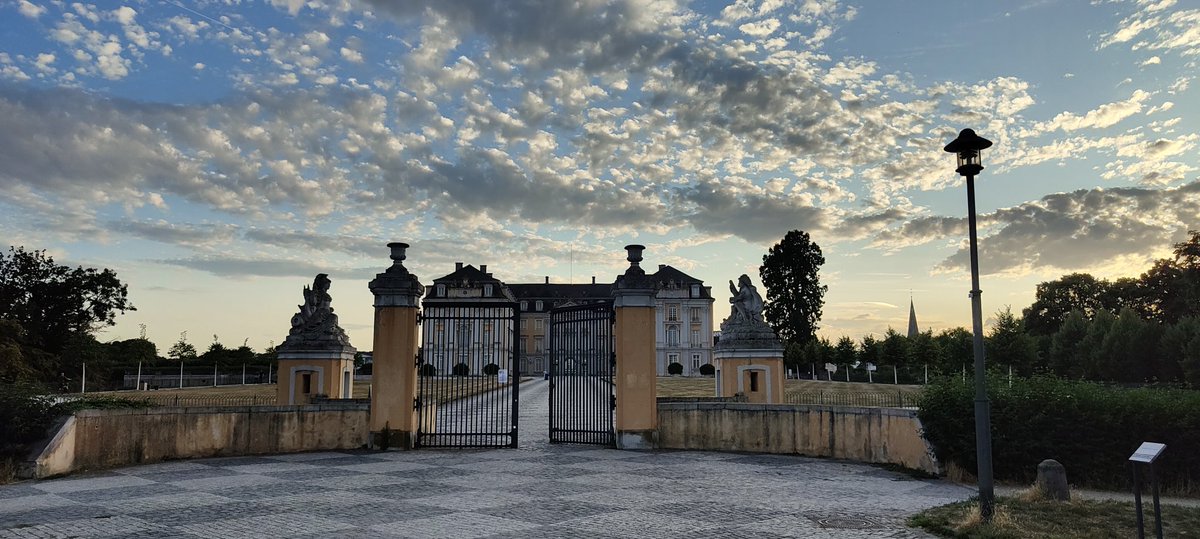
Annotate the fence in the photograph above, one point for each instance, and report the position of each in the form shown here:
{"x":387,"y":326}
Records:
{"x":190,"y":401}
{"x":891,"y":399}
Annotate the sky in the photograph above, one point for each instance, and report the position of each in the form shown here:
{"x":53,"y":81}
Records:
{"x":218,"y":154}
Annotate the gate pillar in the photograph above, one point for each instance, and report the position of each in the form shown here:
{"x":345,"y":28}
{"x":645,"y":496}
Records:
{"x":394,"y":375}
{"x":636,"y":419}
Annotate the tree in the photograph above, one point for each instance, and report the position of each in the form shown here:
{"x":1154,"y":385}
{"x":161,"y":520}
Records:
{"x":922,"y":349}
{"x":869,"y":351}
{"x":956,"y":347}
{"x":1008,"y":344}
{"x":53,"y":302}
{"x":675,"y":368}
{"x":1067,"y":355}
{"x":893,"y":350}
{"x":1055,"y":299}
{"x":1097,"y":331}
{"x":794,"y":292}
{"x":1181,"y":343}
{"x":182,"y":350}
{"x":845,"y":352}
{"x":1171,"y":287}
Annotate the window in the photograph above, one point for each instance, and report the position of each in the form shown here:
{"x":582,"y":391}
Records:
{"x":306,"y":383}
{"x":487,"y":290}
{"x":695,"y":338}
{"x":695,"y":316}
{"x":537,"y":306}
{"x":537,"y":324}
{"x":672,"y":335}
{"x":441,"y":290}
{"x":695,"y":291}
{"x":672,"y":358}
{"x":539,"y":344}
{"x":524,"y":323}
{"x":524,"y":306}
{"x":753,"y":380}
{"x":673,"y":312}
{"x":695,"y":362}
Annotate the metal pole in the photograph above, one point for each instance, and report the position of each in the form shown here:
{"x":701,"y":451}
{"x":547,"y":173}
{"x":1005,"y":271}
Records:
{"x":243,"y":374}
{"x":983,"y":427}
{"x":214,"y":374}
{"x":83,"y":380}
{"x":1137,"y":501}
{"x":181,"y":374}
{"x":1157,"y":509}
{"x":138,"y":383}
{"x":926,"y":374}
{"x":895,"y":377}
{"x":870,"y":379}
{"x":269,"y":367}
{"x":847,"y":373}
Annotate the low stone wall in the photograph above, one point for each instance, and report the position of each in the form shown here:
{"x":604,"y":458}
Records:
{"x":875,"y":435}
{"x":106,"y":438}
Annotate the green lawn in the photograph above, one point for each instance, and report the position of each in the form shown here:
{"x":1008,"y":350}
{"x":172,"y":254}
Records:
{"x":680,"y":386}
{"x":1017,"y":518}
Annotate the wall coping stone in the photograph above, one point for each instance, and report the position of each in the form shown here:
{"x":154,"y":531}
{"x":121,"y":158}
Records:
{"x":349,"y":407}
{"x":854,"y":410}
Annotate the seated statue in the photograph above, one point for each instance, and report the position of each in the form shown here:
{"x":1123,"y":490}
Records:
{"x":747,"y":304}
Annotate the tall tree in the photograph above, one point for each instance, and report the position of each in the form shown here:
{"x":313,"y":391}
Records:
{"x":182,"y":350}
{"x":1056,"y":299}
{"x":1067,"y":355}
{"x":1008,"y":344}
{"x":845,"y":352}
{"x":893,"y":350}
{"x":956,"y":347}
{"x":795,"y":294}
{"x":53,"y":303}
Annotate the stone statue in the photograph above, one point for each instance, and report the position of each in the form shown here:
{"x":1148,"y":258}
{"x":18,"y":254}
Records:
{"x":747,"y":304}
{"x":745,"y":327}
{"x":315,"y":326}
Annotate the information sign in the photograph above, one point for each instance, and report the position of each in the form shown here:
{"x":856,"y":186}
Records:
{"x":1147,"y":452}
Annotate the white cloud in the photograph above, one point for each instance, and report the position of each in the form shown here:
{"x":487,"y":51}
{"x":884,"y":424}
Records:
{"x":352,"y":55}
{"x":1105,"y":115}
{"x":30,"y":9}
{"x":761,"y":28}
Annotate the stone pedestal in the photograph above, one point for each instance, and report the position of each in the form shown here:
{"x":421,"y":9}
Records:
{"x":636,"y":419}
{"x":304,"y":374}
{"x":316,"y":358}
{"x":394,"y":378}
{"x":756,"y":373}
{"x":1052,"y":481}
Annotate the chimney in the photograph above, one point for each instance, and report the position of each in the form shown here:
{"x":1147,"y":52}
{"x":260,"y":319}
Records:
{"x":662,"y":267}
{"x":593,"y":279}
{"x":547,"y":279}
{"x":483,"y":268}
{"x":457,"y":266}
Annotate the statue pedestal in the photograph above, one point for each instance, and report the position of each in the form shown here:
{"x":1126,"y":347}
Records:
{"x":756,"y":373}
{"x":304,"y":374}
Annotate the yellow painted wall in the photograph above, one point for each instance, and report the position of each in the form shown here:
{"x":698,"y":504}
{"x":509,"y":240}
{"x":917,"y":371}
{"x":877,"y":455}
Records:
{"x":108,"y":438}
{"x":876,"y":435}
{"x":330,"y":385}
{"x":774,"y":377}
{"x":635,"y":376}
{"x":394,"y":378}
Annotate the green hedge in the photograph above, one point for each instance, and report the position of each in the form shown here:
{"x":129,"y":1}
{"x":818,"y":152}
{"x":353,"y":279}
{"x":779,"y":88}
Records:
{"x":1090,"y":428}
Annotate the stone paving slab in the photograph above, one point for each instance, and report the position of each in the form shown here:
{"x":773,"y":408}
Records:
{"x":538,"y":490}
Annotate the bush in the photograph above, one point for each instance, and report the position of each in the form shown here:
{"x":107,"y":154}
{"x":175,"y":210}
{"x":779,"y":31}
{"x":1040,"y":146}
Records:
{"x":675,"y":368}
{"x":491,"y":369}
{"x":428,"y":369}
{"x":1090,"y":428}
{"x":707,"y":369}
{"x":25,"y":416}
{"x":461,"y":369}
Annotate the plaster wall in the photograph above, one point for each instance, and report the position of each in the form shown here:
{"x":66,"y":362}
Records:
{"x":875,"y":435}
{"x":107,"y":438}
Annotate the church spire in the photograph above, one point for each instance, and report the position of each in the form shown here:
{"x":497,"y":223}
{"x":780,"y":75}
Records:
{"x":912,"y":319}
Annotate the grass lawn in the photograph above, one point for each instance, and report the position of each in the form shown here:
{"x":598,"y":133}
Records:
{"x":681,"y":386}
{"x":446,"y":388}
{"x":1020,"y":518}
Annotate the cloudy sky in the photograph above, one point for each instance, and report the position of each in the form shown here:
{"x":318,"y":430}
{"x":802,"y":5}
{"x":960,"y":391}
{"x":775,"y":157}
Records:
{"x":219,"y":153}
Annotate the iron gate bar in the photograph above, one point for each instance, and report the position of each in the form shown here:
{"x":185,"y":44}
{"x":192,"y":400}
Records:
{"x":581,"y":369}
{"x":456,"y":410}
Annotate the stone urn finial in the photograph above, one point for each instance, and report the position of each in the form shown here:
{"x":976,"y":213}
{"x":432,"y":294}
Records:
{"x":635,"y":254}
{"x":398,"y":252}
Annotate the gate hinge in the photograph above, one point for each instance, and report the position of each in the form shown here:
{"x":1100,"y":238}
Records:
{"x":417,"y":403}
{"x":614,"y":402}
{"x":419,"y":317}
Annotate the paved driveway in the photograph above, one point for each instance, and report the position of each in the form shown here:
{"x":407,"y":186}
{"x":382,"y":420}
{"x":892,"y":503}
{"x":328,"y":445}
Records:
{"x":534,"y":491}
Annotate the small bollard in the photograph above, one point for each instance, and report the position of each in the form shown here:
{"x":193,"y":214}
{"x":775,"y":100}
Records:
{"x":1052,"y":481}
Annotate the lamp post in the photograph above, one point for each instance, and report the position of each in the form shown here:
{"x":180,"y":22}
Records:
{"x":967,"y":147}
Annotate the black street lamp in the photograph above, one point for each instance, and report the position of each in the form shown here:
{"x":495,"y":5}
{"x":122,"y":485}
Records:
{"x":968,"y":146}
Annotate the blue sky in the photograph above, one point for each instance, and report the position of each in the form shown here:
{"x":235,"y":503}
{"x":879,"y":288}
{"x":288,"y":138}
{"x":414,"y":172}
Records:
{"x":218,"y":154}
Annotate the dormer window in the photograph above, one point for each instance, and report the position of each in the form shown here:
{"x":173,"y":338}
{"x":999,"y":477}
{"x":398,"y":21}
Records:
{"x":441,"y":290}
{"x":487,"y":290}
{"x":695,"y":291}
{"x":524,"y":306}
{"x":538,"y":305}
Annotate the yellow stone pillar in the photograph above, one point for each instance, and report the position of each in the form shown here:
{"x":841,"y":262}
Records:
{"x":394,"y":375}
{"x":636,"y":420}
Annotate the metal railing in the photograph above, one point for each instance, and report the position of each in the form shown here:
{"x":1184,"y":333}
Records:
{"x":891,"y":399}
{"x":168,"y":400}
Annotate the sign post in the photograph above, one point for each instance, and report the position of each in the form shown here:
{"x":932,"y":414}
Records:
{"x":1145,"y":455}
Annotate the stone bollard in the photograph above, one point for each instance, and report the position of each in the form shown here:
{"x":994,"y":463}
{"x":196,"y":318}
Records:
{"x":1052,"y":480}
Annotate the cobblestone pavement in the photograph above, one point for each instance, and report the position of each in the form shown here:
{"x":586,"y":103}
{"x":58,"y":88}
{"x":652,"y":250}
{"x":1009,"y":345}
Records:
{"x":534,"y":491}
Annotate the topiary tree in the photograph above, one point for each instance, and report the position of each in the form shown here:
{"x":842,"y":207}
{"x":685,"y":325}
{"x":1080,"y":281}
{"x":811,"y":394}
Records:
{"x":707,"y":369}
{"x":461,"y":369}
{"x":428,"y":369}
{"x":675,"y":368}
{"x":491,"y":369}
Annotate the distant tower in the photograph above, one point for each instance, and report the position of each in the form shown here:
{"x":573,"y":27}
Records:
{"x":912,"y":319}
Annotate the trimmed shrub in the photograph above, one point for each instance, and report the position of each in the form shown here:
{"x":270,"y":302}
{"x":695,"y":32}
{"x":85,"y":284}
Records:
{"x":707,"y":369}
{"x":427,"y":369}
{"x":25,"y":416}
{"x":461,"y":369}
{"x":1090,"y":428}
{"x":491,"y":369}
{"x":675,"y":368}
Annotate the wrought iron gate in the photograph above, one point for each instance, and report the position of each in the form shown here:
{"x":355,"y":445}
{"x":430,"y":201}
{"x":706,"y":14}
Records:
{"x":468,"y":375}
{"x":582,"y":361}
